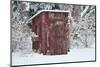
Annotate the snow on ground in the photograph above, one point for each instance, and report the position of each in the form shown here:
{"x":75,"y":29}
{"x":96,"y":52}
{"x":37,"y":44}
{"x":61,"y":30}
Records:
{"x":75,"y":55}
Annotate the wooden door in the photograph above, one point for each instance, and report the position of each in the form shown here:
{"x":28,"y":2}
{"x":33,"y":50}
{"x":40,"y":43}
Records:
{"x":58,"y":37}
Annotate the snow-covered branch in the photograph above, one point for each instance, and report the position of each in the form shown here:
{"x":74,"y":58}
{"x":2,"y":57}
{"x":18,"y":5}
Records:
{"x":84,"y":11}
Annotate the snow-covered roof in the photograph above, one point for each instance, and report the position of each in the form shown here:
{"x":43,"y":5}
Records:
{"x":65,"y":11}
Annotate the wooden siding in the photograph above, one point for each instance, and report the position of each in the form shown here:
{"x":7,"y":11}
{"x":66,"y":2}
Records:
{"x":53,"y":32}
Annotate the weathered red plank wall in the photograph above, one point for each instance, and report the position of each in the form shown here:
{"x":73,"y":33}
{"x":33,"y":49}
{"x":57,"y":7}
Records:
{"x":53,"y":32}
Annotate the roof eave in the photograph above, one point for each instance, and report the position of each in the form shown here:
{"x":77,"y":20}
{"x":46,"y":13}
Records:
{"x":65,"y":11}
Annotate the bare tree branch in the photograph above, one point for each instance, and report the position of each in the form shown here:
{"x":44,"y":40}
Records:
{"x":84,"y":11}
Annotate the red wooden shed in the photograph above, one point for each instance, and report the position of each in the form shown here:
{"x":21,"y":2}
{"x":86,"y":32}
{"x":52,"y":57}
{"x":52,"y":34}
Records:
{"x":52,"y":28}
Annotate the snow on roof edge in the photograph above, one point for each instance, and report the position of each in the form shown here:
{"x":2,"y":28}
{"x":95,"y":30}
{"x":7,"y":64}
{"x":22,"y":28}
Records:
{"x":47,"y":11}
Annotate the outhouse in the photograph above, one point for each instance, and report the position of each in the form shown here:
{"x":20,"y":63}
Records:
{"x":52,"y":30}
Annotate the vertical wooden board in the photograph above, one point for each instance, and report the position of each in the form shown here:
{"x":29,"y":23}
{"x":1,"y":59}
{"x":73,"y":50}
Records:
{"x":33,"y":25}
{"x":43,"y":47}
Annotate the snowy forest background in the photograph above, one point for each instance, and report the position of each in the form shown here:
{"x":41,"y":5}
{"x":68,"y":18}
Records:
{"x":82,"y":24}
